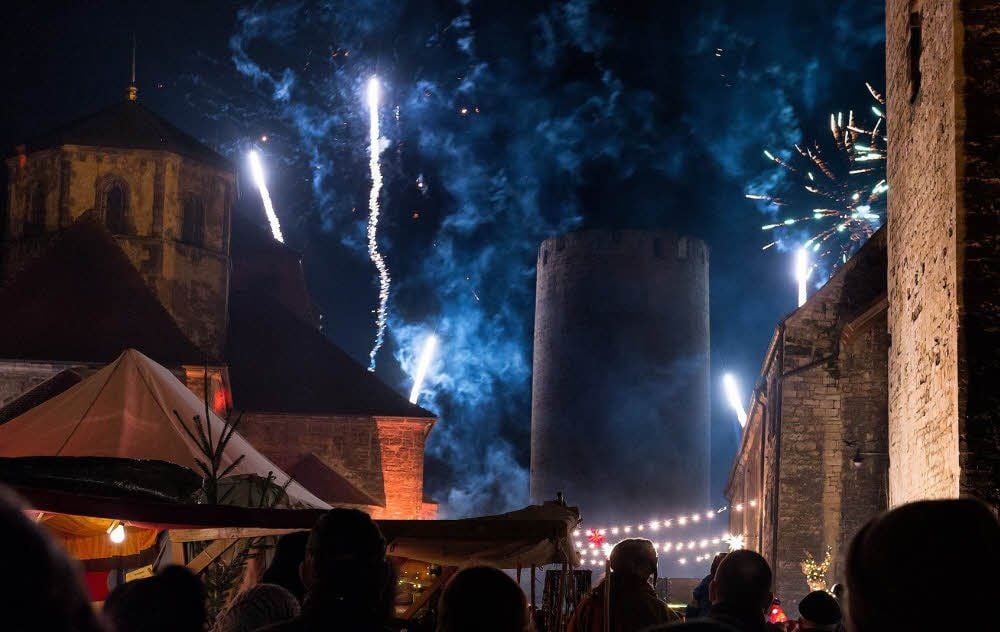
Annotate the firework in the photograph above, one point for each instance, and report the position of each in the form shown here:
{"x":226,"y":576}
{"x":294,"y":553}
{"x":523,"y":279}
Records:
{"x":838,"y":186}
{"x":802,"y":272}
{"x":257,"y":170}
{"x":374,"y":137}
{"x":733,"y":397}
{"x":430,"y":345}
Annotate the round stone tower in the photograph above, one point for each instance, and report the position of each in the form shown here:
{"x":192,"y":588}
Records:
{"x":620,"y":386}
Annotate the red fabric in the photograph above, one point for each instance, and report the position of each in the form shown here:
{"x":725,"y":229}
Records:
{"x":97,"y":584}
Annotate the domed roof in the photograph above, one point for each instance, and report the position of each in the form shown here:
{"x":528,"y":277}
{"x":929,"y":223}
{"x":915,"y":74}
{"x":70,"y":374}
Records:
{"x":129,"y":125}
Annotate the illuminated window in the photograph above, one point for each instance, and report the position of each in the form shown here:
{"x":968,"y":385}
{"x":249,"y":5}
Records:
{"x":193,"y":221}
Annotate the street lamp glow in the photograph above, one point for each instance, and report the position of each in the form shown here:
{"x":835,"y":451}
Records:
{"x":734,"y":399}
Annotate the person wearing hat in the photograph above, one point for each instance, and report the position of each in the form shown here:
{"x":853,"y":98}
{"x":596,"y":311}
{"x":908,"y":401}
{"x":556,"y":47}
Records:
{"x":624,"y":601}
{"x":819,"y":610}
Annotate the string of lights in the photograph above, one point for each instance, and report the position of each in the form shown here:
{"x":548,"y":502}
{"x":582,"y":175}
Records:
{"x":666,"y":523}
{"x":705,"y":557}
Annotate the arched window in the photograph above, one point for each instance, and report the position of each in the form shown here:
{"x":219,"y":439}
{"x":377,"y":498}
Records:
{"x":193,"y":222}
{"x":34,"y":223}
{"x":115,"y":205}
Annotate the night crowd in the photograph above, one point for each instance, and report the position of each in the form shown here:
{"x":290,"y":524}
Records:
{"x":930,"y":565}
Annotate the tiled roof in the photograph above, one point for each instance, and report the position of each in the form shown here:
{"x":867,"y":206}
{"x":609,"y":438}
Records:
{"x":280,"y":363}
{"x":129,"y":125}
{"x":83,"y":301}
{"x":328,"y":484}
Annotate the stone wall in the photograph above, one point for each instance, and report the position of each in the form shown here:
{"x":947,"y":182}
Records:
{"x":942,"y":61}
{"x":192,"y":281}
{"x":813,"y":454}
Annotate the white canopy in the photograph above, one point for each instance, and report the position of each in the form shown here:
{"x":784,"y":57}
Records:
{"x":126,"y":410}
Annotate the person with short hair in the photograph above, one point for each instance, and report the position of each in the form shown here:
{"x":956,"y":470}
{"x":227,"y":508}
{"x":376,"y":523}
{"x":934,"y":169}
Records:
{"x":633,"y":604}
{"x":819,"y":610}
{"x":41,"y":588}
{"x":482,"y":599}
{"x":257,"y":608}
{"x":893,"y":575}
{"x":701,"y":602}
{"x":350,"y":583}
{"x":289,"y":552}
{"x":173,"y":600}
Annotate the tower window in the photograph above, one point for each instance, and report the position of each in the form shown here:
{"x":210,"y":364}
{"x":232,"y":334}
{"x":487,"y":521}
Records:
{"x":193,"y":221}
{"x":913,"y":55}
{"x":34,"y":223}
{"x":115,"y":206}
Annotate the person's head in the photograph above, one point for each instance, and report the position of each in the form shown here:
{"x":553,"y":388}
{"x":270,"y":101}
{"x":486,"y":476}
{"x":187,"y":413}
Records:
{"x":42,"y":588}
{"x":837,"y":590}
{"x":634,"y":557}
{"x":892,"y":567}
{"x":171,"y":601}
{"x":715,"y":563}
{"x":259,"y":607}
{"x":743,"y":582}
{"x":485,"y":599}
{"x":289,"y":552}
{"x":345,"y":563}
{"x":819,"y":611}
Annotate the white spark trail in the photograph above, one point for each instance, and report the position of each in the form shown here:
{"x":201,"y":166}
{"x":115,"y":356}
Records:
{"x":373,"y":212}
{"x":430,"y":345}
{"x":802,"y":271}
{"x":257,"y":170}
{"x":733,"y":397}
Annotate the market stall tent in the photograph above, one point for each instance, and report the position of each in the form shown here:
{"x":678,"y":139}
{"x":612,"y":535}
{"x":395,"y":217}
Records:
{"x":127,"y":410}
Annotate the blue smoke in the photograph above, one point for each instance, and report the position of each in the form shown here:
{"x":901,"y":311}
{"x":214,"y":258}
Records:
{"x":507,"y":123}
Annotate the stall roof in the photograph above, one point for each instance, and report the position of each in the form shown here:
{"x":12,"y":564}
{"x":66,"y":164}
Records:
{"x":536,"y":535}
{"x":129,"y":409}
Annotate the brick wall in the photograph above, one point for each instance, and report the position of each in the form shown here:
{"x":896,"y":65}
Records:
{"x":384,"y":457}
{"x":943,"y":248}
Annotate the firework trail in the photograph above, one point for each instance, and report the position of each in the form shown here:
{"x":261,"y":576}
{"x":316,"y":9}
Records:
{"x":257,"y":171}
{"x":430,"y":345}
{"x":843,"y":182}
{"x":373,"y":212}
{"x":734,"y":399}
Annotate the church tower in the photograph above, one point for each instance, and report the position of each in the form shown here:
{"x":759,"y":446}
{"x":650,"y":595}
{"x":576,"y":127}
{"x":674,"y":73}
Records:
{"x":164,"y":196}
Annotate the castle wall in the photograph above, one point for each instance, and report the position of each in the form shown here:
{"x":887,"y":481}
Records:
{"x":944,"y":254}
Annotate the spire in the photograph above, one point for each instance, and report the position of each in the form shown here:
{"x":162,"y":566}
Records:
{"x":133,"y":92}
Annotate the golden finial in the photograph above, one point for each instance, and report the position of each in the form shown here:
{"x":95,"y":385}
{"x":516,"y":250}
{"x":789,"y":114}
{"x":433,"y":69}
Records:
{"x":133,"y":92}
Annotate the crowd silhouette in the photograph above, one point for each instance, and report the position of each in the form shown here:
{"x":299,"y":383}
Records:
{"x":902,"y":568}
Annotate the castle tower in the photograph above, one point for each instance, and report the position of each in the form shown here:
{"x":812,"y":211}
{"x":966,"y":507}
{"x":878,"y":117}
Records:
{"x":620,"y":386}
{"x":943,"y":248}
{"x":164,"y":196}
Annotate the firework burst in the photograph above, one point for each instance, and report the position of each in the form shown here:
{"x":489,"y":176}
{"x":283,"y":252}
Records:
{"x":836,"y":189}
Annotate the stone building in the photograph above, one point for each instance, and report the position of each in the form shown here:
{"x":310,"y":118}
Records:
{"x":863,"y":408}
{"x":118,"y":232}
{"x":812,"y":465}
{"x":944,"y":249}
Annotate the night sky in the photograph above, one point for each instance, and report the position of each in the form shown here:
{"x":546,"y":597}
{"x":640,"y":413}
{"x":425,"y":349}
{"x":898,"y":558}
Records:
{"x":520,"y":119}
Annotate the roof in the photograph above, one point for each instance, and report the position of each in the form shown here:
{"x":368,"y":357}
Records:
{"x":304,"y":372}
{"x":45,"y":391}
{"x":83,"y":300}
{"x":128,"y":125}
{"x":132,"y":409}
{"x":328,"y":484}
